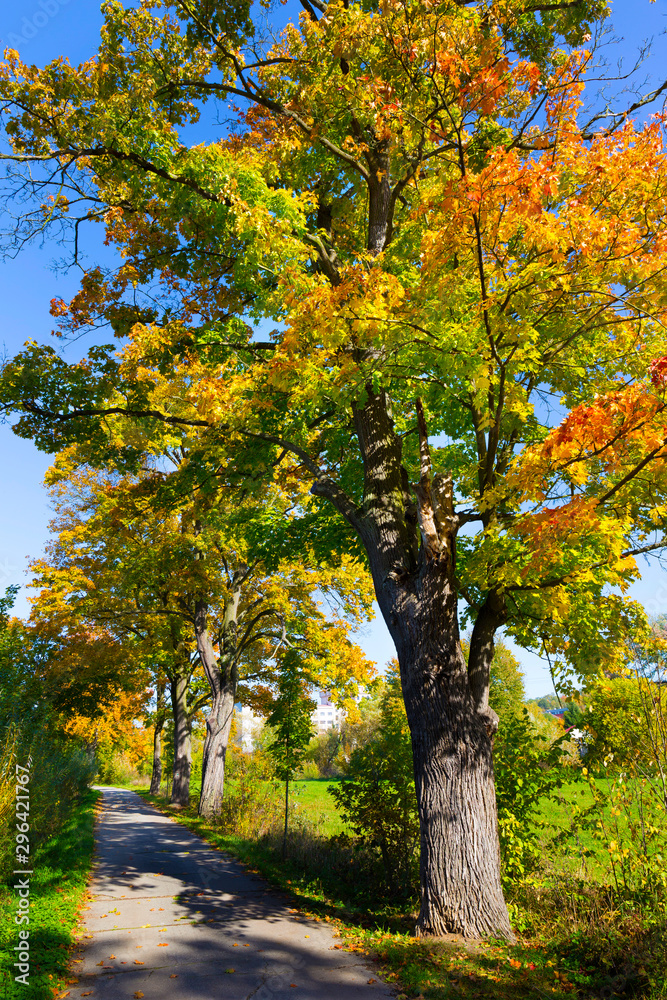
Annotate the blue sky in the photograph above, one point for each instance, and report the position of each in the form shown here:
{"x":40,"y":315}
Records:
{"x":44,"y":29}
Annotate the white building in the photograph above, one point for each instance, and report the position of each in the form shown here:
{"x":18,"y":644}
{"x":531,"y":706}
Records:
{"x":326,"y":715}
{"x":247,"y":724}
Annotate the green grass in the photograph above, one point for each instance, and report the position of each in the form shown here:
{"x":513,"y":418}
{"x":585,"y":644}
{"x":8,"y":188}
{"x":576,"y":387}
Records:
{"x":57,"y":888}
{"x":570,"y":817}
{"x":576,"y":942}
{"x":314,"y":803}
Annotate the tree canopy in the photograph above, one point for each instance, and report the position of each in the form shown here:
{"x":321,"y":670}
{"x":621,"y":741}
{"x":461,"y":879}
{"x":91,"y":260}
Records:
{"x":415,"y":280}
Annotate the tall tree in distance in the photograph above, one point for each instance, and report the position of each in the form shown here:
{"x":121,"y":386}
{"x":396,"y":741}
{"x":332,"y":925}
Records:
{"x":291,"y":719}
{"x":158,"y":718}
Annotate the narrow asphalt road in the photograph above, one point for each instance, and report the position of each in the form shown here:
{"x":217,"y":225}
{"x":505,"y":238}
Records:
{"x":171,"y":918}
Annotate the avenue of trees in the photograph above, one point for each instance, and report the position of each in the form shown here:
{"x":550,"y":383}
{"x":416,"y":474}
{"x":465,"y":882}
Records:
{"x":401,"y":315}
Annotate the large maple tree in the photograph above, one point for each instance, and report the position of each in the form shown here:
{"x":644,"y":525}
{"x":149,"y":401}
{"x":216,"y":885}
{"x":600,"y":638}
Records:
{"x":465,"y":276}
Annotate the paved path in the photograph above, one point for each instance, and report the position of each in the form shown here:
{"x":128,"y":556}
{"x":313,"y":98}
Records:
{"x":172,"y":918}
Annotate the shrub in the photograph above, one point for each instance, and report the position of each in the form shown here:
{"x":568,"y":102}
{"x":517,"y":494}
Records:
{"x":526,"y":765}
{"x":377,"y":796}
{"x":626,"y":720}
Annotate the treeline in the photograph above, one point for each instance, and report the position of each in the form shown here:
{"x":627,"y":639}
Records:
{"x":49,"y":767}
{"x":173,"y":617}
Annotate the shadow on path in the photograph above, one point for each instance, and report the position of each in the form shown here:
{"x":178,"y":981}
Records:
{"x":172,"y":917}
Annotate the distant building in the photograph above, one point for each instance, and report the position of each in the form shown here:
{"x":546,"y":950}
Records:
{"x":326,"y":715}
{"x":247,"y":724}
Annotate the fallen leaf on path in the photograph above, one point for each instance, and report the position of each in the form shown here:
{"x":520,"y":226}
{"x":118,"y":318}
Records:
{"x":88,"y":994}
{"x":230,"y":970}
{"x":293,"y":985}
{"x":174,"y":975}
{"x":137,"y":962}
{"x":306,"y":935}
{"x":100,"y":963}
{"x":164,"y":944}
{"x":112,"y":956}
{"x":371,"y":981}
{"x":138,"y":995}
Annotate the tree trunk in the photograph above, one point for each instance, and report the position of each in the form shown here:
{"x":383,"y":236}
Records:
{"x":409,"y":533}
{"x":180,"y":789}
{"x":156,"y":776}
{"x":218,"y":725}
{"x":222,"y":675}
{"x":286,"y":816}
{"x":461,"y":890}
{"x":160,"y":717}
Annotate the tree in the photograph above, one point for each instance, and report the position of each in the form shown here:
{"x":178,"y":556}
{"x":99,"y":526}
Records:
{"x":113,"y":737}
{"x":158,"y":719}
{"x":107,"y":569}
{"x":292,"y":724}
{"x":444,"y":242}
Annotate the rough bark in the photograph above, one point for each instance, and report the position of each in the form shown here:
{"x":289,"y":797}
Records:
{"x":180,"y":789}
{"x":221,"y":674}
{"x":453,"y":765}
{"x":156,"y":775}
{"x":218,"y":725}
{"x":160,"y":717}
{"x":409,"y":533}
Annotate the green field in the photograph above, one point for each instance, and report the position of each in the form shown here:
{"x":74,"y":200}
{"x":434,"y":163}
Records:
{"x":313,"y":801}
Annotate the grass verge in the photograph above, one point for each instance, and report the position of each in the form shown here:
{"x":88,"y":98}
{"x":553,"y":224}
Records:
{"x":61,"y":868}
{"x":578,"y":945}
